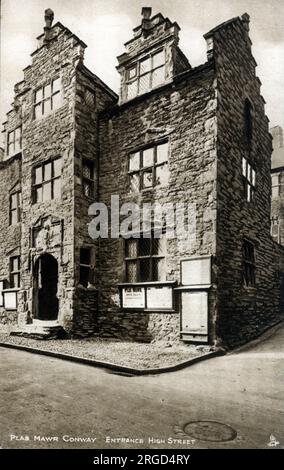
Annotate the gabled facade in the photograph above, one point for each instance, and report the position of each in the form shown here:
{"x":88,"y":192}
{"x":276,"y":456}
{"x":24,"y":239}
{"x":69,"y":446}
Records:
{"x":175,"y":135}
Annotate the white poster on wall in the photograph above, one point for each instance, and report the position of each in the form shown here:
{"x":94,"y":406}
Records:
{"x":196,"y":271}
{"x":194,"y":312}
{"x":159,"y":298}
{"x":133,"y":297}
{"x":10,"y":300}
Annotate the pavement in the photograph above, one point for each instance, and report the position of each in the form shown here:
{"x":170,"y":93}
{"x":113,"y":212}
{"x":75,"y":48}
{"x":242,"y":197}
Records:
{"x":51,"y":403}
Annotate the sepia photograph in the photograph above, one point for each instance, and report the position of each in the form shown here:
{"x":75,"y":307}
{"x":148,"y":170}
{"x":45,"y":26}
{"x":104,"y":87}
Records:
{"x":141,"y":227}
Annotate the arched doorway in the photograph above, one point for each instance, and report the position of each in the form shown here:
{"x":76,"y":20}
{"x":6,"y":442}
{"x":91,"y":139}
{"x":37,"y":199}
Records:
{"x":45,"y":282}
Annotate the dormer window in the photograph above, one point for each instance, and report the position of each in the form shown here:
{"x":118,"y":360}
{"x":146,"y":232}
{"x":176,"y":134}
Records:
{"x":146,"y":74}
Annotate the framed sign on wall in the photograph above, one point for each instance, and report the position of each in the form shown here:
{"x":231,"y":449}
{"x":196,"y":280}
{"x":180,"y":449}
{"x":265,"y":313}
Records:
{"x":148,"y":297}
{"x":194,"y":316}
{"x":196,"y":271}
{"x":10,"y":300}
{"x":133,"y":297}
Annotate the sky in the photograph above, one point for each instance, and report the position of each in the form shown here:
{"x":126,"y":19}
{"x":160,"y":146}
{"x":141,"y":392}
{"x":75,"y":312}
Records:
{"x":105,"y":25}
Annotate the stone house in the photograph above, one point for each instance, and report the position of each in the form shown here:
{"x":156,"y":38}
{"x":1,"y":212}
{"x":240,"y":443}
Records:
{"x":175,"y":135}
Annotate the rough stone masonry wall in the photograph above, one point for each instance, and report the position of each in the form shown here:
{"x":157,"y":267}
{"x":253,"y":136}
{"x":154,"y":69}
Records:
{"x":242,"y":312}
{"x":86,"y":147}
{"x":10,"y":235}
{"x":184,"y":112}
{"x":45,"y":138}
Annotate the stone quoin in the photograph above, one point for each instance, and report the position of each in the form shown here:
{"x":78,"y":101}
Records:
{"x":175,"y":134}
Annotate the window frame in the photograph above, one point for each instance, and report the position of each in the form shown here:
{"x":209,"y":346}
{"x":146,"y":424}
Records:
{"x":249,"y":180}
{"x":249,"y":265}
{"x":275,"y":175}
{"x":17,"y":209}
{"x":44,"y":182}
{"x":44,"y":99}
{"x":138,"y":258}
{"x":138,"y":75}
{"x":15,"y":273}
{"x":144,"y":169}
{"x":14,"y":141}
{"x":89,"y":181}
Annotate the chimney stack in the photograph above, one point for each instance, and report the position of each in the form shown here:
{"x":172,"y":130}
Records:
{"x":146,"y":18}
{"x":48,"y":18}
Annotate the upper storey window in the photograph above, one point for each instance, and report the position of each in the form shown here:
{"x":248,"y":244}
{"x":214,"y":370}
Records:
{"x":146,"y":74}
{"x":14,"y":143}
{"x":47,"y":98}
{"x":47,"y":181}
{"x":149,"y":167}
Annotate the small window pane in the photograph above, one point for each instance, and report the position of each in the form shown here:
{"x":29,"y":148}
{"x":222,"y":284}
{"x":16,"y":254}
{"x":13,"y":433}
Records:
{"x":56,"y":101}
{"x":10,"y":148}
{"x":17,"y":146}
{"x":145,"y":273}
{"x":38,"y":175}
{"x":162,"y":153}
{"x":47,"y":106}
{"x":38,"y":110}
{"x":148,"y":157}
{"x":275,"y":191}
{"x":145,"y":66}
{"x":131,"y":271}
{"x":132,"y":72}
{"x":158,"y":77}
{"x":253,"y":177}
{"x":88,"y":188}
{"x":38,"y":194}
{"x":84,"y":275}
{"x":89,"y":98}
{"x":38,"y":95}
{"x":244,"y":167}
{"x":47,"y":91}
{"x":46,"y":192}
{"x":162,"y":175}
{"x":57,"y":188}
{"x":135,"y":182}
{"x":148,"y":179}
{"x":144,"y":83}
{"x":56,"y":85}
{"x":131,"y":248}
{"x":14,"y":201}
{"x":18,"y":133}
{"x":88,"y":170}
{"x":134,"y":161}
{"x":158,"y":246}
{"x":47,"y":172}
{"x":14,"y":217}
{"x":15,"y":264}
{"x":132,"y":89}
{"x":159,"y":273}
{"x":144,"y":246}
{"x":57,"y":167}
{"x":10,"y":137}
{"x":85,"y":256}
{"x":158,"y":59}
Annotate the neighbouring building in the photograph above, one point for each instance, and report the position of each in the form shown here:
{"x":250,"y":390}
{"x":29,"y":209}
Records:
{"x":277,"y":177}
{"x":176,"y":134}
